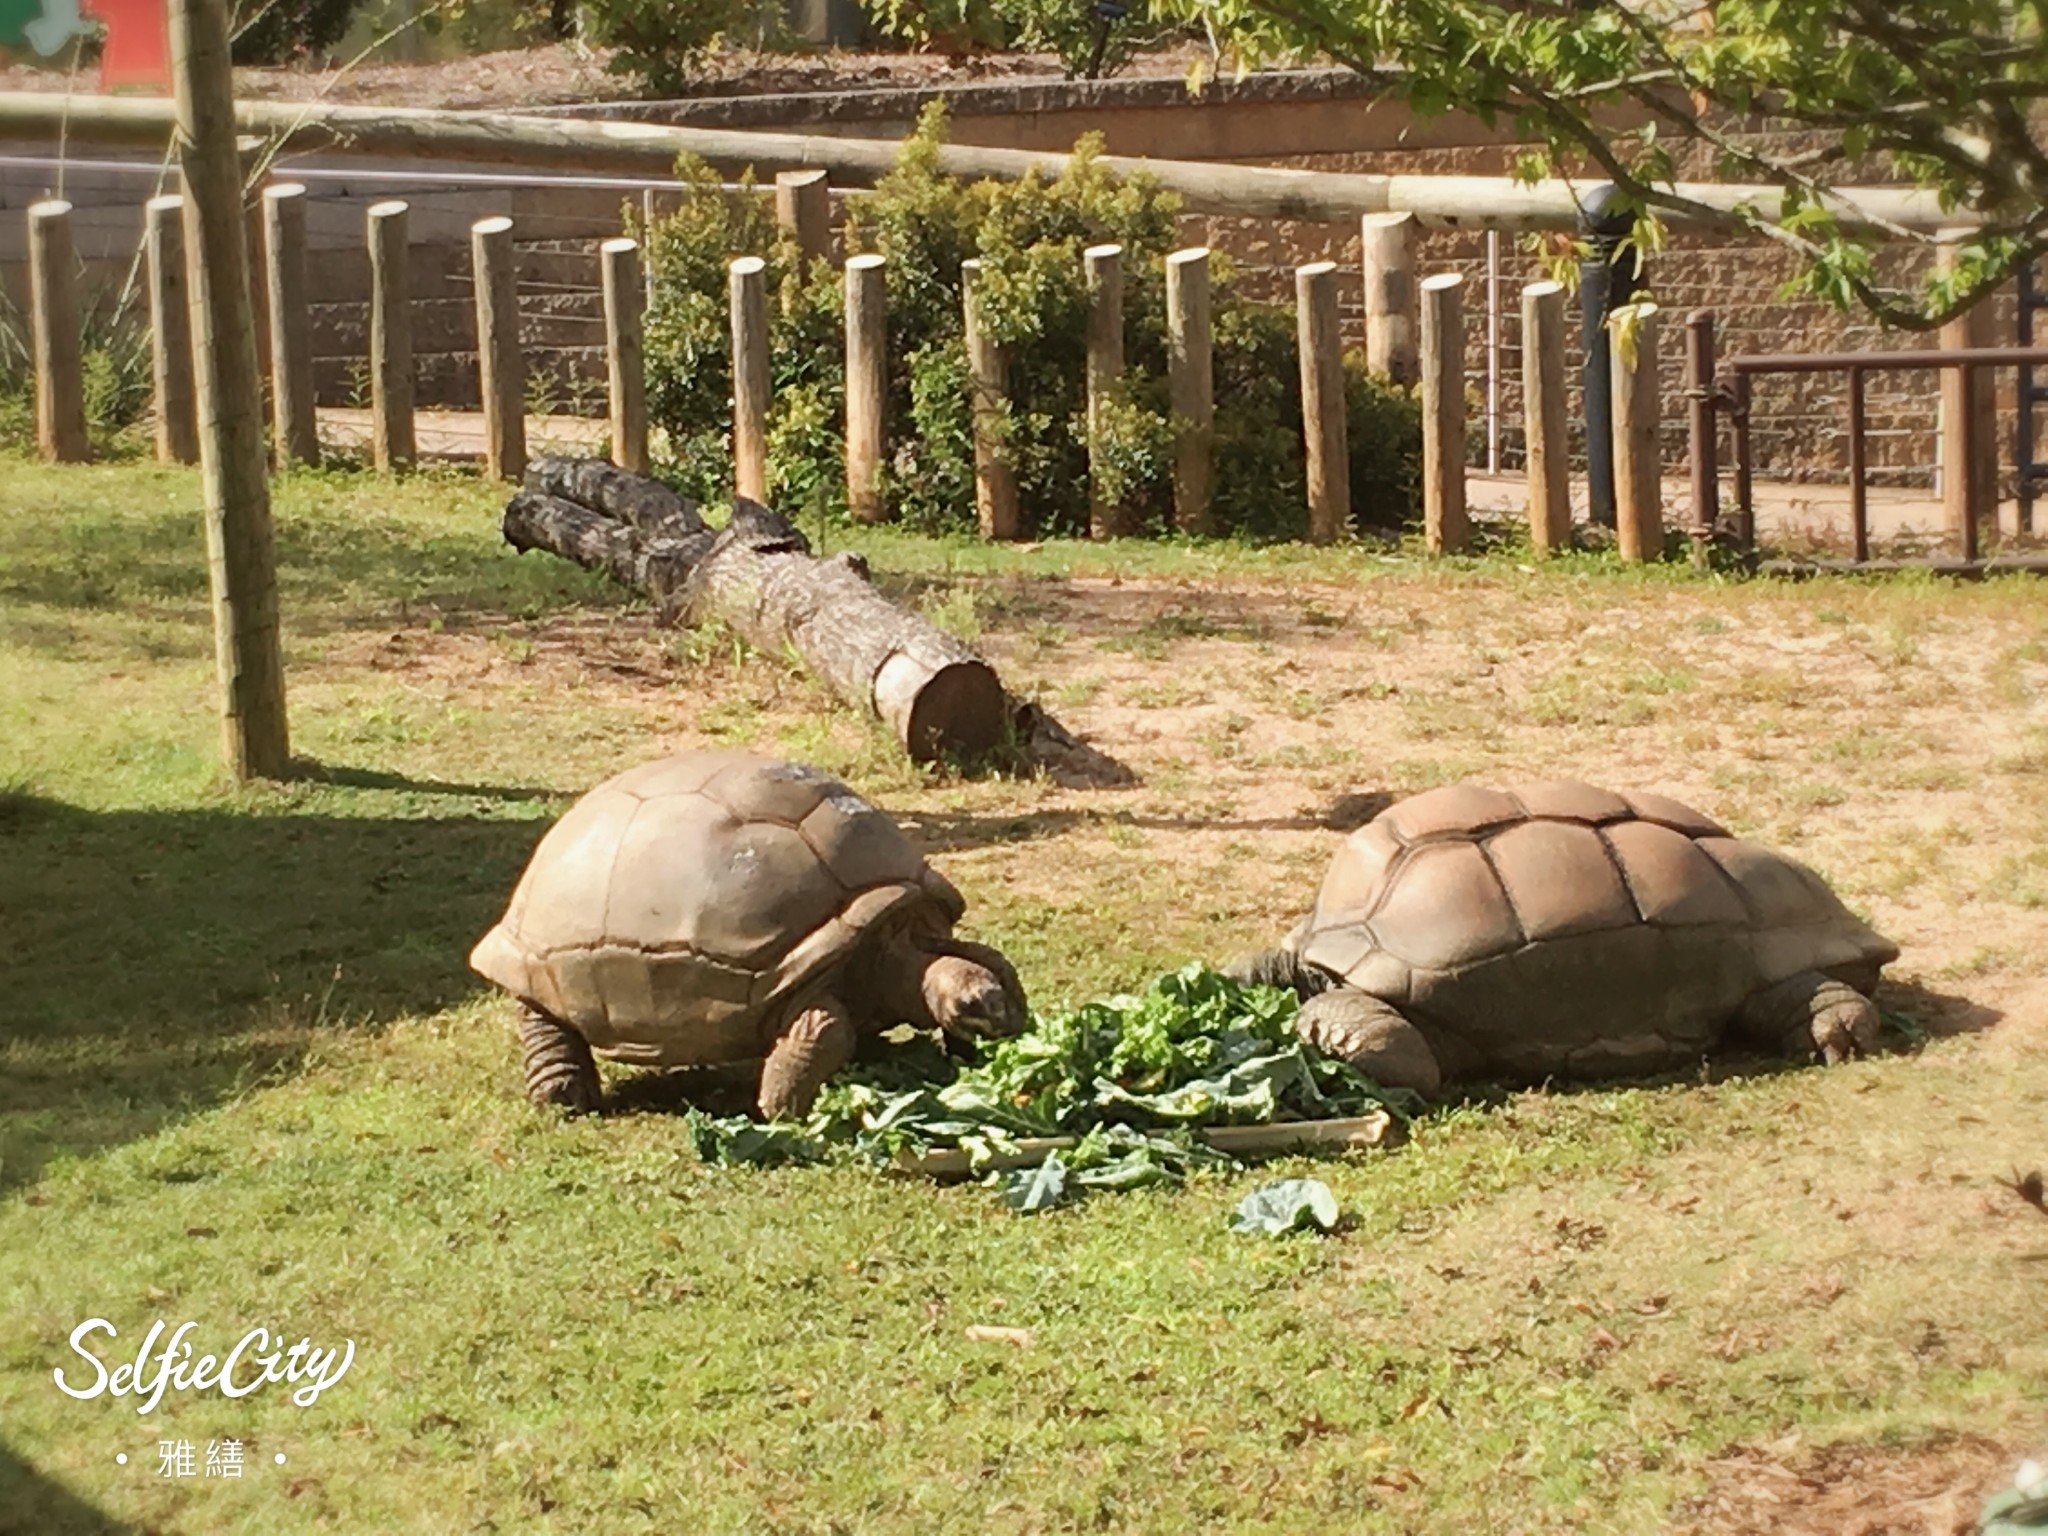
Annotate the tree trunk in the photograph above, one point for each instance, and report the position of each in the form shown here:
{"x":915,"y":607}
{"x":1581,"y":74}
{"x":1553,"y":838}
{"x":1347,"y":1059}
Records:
{"x":758,"y":576}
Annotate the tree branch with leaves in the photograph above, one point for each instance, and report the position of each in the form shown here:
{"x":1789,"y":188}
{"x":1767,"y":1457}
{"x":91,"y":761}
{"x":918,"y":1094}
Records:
{"x":1801,"y":95}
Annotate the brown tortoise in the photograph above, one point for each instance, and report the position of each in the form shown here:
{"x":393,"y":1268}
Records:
{"x":1558,"y":930}
{"x":720,"y":907}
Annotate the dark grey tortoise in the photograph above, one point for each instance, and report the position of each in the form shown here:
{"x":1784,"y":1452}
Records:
{"x":718,"y":908}
{"x":1558,"y":930}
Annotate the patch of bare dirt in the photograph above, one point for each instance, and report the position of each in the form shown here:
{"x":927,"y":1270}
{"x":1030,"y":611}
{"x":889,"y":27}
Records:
{"x":568,"y":74}
{"x":1931,"y":1489}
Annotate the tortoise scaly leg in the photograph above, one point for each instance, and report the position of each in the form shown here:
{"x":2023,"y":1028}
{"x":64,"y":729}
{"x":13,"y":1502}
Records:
{"x":813,"y":1045}
{"x":1280,"y":968}
{"x":1372,"y":1036}
{"x":559,"y":1069}
{"x":1810,"y":1014}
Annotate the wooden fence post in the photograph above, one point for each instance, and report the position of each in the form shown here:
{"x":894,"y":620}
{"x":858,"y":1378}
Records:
{"x":241,"y":561}
{"x":988,"y":365}
{"x":392,"y":443}
{"x":501,"y":363}
{"x":1104,"y":268}
{"x":867,"y":385}
{"x":1446,"y":528}
{"x":57,"y":341}
{"x":297,"y":428}
{"x":170,"y":332}
{"x":1638,"y":482}
{"x":1969,"y":435}
{"x":1702,"y":448}
{"x":1191,"y":387}
{"x":803,"y":207}
{"x":1320,"y":337}
{"x":1544,"y":417}
{"x":625,"y":356}
{"x":1388,"y":241}
{"x":749,"y":294}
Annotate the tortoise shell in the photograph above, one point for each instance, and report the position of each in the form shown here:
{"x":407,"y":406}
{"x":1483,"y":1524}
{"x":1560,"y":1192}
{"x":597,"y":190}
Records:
{"x":1554,"y":926}
{"x":674,"y":907}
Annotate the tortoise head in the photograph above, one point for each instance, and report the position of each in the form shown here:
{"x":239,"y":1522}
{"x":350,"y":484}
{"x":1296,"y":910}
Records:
{"x":972,"y":993}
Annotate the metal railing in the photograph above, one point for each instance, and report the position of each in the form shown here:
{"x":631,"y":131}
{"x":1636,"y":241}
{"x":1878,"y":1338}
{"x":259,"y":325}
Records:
{"x":1707,"y":394}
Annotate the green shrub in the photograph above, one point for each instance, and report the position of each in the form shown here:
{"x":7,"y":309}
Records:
{"x":278,"y":31}
{"x":1029,"y":236}
{"x":115,"y":361}
{"x":658,"y":41}
{"x":1090,"y":38}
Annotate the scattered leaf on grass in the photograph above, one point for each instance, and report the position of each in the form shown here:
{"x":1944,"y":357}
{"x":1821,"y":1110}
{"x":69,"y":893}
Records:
{"x":1286,"y":1205}
{"x":1036,"y":1189}
{"x":988,"y":1333}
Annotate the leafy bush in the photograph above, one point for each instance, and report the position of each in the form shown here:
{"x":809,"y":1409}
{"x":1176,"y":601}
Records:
{"x":115,"y":367}
{"x":1092,"y":37}
{"x":1029,"y":236}
{"x":657,"y":41}
{"x":278,"y":31}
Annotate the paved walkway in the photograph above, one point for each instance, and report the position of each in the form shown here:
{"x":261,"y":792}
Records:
{"x":1786,"y":512}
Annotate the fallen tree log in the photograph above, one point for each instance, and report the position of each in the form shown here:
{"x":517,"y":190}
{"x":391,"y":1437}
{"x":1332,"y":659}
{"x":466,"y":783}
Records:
{"x":758,"y":575}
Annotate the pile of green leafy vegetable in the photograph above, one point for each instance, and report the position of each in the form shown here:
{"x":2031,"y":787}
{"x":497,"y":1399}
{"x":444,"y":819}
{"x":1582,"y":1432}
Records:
{"x":1132,"y":1076}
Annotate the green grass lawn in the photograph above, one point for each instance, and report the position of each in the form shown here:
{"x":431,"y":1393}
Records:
{"x":247,"y":1080}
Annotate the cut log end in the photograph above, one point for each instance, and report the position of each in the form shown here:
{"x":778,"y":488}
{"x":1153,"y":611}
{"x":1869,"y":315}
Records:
{"x":957,"y":711}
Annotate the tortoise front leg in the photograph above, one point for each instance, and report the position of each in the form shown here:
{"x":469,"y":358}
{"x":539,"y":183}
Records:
{"x":813,"y":1045}
{"x":559,"y":1068}
{"x":1372,"y":1036}
{"x":1810,"y":1014}
{"x":1279,"y":968}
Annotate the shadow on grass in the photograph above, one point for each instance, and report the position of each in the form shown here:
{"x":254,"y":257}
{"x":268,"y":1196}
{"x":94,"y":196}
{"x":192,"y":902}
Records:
{"x":157,"y":962}
{"x":1912,"y":1015}
{"x":110,"y":555}
{"x":943,"y":832}
{"x":30,"y":1502}
{"x":370,"y":778}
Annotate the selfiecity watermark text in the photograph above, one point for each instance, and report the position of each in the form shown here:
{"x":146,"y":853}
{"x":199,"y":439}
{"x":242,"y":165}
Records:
{"x":258,"y":1359}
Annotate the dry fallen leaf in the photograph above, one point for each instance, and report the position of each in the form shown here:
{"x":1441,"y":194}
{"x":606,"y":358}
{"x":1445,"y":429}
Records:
{"x":985,"y":1333}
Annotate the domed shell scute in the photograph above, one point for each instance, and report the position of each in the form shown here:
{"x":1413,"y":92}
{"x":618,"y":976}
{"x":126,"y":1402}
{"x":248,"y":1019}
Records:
{"x":644,"y":906}
{"x":858,"y":844}
{"x":1358,"y":874}
{"x":1674,"y":882}
{"x":1777,"y":892}
{"x":685,"y":774}
{"x":1443,"y":908}
{"x":757,"y":891}
{"x":1675,"y":814}
{"x":580,"y":854}
{"x":1463,"y":809}
{"x":1569,"y":800}
{"x":754,"y":790}
{"x":1561,"y":879}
